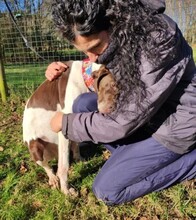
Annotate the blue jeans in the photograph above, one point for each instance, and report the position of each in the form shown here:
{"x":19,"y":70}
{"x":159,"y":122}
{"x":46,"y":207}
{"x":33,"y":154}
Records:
{"x":136,"y":168}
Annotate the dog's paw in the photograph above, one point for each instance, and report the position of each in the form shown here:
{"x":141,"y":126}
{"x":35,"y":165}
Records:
{"x":54,"y":182}
{"x":69,"y":192}
{"x":65,"y":191}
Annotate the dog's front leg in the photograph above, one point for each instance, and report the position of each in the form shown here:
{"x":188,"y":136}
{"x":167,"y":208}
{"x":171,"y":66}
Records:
{"x":63,"y":162}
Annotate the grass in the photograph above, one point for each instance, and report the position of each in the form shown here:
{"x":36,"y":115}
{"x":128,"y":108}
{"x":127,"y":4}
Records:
{"x":25,"y":194}
{"x":24,"y":79}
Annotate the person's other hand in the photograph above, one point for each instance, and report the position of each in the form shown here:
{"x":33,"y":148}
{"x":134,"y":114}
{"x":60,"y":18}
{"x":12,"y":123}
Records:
{"x":56,"y":122}
{"x":54,"y":70}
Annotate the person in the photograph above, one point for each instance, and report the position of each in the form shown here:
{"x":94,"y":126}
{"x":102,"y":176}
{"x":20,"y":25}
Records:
{"x":152,"y":132}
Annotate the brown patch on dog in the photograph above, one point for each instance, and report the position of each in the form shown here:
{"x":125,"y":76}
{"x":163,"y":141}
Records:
{"x":40,"y":150}
{"x":50,"y":93}
{"x":106,"y":88}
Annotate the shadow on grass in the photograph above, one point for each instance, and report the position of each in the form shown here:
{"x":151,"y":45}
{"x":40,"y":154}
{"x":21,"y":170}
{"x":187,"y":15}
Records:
{"x":89,"y":150}
{"x":92,"y":155}
{"x":86,"y":171}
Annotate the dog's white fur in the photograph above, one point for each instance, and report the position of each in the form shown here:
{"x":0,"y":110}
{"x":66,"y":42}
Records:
{"x":36,"y":124}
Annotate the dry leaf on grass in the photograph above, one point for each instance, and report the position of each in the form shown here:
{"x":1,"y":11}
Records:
{"x":84,"y":191}
{"x":106,"y":154}
{"x":23,"y":168}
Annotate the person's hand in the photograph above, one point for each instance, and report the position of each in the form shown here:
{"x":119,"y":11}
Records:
{"x":56,"y":122}
{"x":54,"y":70}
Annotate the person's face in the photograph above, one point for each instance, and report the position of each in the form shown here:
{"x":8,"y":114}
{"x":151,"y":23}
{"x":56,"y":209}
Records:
{"x":93,"y":45}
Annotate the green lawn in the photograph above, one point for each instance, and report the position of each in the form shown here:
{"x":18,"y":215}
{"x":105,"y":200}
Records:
{"x":24,"y":79}
{"x":25,"y":194}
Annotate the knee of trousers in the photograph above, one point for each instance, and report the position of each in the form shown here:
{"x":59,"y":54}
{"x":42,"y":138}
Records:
{"x":107,"y":195}
{"x":112,"y":196}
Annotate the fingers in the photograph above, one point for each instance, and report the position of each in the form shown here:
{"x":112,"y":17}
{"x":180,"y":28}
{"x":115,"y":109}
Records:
{"x":54,"y":70}
{"x":62,"y":64}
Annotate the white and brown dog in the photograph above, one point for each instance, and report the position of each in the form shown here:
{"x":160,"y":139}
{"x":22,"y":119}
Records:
{"x":58,"y":95}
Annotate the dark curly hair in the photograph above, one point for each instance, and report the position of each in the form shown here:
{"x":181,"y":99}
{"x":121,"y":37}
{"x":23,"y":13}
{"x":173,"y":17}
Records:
{"x":85,"y":17}
{"x":132,"y":25}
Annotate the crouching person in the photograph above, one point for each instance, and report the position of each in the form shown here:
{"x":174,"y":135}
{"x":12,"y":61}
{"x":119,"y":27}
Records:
{"x":152,"y":132}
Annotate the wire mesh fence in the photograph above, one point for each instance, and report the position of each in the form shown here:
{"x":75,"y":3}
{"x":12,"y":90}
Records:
{"x":30,"y":41}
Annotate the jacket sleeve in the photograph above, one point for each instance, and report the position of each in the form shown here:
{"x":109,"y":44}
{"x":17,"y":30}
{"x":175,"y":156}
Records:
{"x":160,"y":82}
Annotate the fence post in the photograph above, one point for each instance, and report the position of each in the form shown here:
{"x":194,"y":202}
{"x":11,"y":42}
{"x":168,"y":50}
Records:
{"x":3,"y":87}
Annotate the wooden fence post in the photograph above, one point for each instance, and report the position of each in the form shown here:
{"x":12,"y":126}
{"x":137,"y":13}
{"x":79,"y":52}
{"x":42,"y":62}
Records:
{"x":3,"y":87}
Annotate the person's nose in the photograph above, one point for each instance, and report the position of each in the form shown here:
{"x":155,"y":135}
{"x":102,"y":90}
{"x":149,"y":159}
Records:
{"x":93,"y":57}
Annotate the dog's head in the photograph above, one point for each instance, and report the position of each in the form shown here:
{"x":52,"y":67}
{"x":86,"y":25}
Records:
{"x":106,"y":88}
